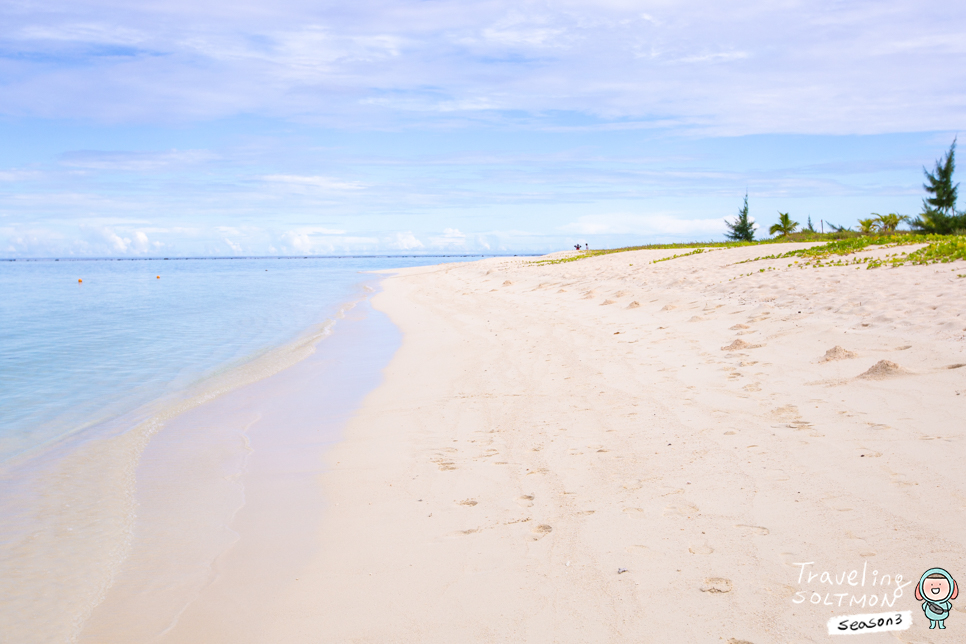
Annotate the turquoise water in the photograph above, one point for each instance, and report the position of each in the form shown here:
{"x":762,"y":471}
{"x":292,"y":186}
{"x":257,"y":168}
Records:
{"x":75,"y":354}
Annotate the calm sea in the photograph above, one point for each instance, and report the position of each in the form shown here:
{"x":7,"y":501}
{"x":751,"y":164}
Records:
{"x":85,"y":341}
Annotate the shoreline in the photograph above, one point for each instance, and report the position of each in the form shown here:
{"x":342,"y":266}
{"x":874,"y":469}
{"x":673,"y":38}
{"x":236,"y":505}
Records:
{"x":73,"y":507}
{"x":240,"y":513}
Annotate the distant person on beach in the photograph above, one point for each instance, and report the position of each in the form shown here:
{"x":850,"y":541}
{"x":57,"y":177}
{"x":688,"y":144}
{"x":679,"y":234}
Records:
{"x":577,"y":246}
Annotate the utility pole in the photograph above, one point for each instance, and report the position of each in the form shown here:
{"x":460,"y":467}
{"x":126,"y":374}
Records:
{"x":822,"y":222}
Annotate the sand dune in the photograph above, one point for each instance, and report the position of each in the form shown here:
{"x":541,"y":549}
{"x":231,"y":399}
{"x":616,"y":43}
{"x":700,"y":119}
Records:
{"x":537,"y":467}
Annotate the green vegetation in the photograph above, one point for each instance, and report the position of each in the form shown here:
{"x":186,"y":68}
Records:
{"x":743,"y":227}
{"x":949,"y":249}
{"x":786,"y":226}
{"x":939,"y":214}
{"x":694,"y":252}
{"x":888,"y":223}
{"x":939,"y":249}
{"x":834,"y":252}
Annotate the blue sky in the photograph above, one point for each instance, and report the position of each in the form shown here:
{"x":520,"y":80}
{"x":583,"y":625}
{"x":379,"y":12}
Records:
{"x":290,"y":127}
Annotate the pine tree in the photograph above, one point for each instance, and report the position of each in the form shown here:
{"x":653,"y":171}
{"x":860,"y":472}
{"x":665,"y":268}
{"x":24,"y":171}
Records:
{"x":743,"y":227}
{"x":939,"y":209}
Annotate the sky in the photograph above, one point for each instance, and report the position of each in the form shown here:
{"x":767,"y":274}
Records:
{"x":292,"y":127}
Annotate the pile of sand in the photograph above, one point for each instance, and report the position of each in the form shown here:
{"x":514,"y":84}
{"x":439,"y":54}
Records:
{"x":738,"y":345}
{"x":883,"y":369}
{"x":838,"y":353}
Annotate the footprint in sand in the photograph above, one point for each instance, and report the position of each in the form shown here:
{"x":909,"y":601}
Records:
{"x":752,"y":530}
{"x":507,"y":283}
{"x":633,"y":305}
{"x":734,"y":641}
{"x":716,"y":585}
{"x":540,"y":531}
{"x":525,"y":501}
{"x":839,"y":505}
{"x":901,"y":480}
{"x":859,"y":544}
{"x":786,"y":412}
{"x":637,"y":513}
{"x":469,"y":502}
{"x":738,"y":327}
{"x":680,"y":508}
{"x":606,"y":302}
{"x":701,"y":548}
{"x":563,"y":290}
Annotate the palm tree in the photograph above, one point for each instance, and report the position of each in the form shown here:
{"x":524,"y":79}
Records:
{"x":889,"y":223}
{"x":868,"y":226}
{"x":785,"y":225}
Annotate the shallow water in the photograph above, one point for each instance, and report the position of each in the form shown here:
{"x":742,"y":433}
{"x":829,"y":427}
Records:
{"x":73,"y":354}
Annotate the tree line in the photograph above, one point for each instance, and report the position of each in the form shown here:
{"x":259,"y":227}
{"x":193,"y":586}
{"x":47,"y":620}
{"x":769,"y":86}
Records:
{"x":939,"y":215}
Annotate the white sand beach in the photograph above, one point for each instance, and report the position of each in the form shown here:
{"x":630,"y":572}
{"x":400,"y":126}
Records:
{"x":612,"y":450}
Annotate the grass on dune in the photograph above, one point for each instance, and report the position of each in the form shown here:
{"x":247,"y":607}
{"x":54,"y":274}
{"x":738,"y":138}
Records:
{"x":939,"y":249}
{"x":793,"y":238}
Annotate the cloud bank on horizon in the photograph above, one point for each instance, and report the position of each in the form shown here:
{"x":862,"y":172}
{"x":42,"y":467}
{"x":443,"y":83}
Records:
{"x":305,"y":127}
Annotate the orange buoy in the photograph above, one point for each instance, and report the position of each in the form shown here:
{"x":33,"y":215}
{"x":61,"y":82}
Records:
{"x":79,"y":281}
{"x":159,"y":277}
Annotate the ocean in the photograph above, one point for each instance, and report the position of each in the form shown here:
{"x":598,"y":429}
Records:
{"x":98,"y":361}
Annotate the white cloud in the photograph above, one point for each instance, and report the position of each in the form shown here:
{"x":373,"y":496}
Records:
{"x":450,"y":238}
{"x":298,"y":241}
{"x":134,"y":161}
{"x":405,"y":241}
{"x":108,"y":241}
{"x":326,"y":183}
{"x":732,"y":68}
{"x":19,"y":175}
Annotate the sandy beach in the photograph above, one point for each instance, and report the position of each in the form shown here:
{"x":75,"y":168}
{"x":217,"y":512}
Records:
{"x":614,"y":449}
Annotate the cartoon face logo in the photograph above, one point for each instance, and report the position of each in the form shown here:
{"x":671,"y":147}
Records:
{"x":936,"y":590}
